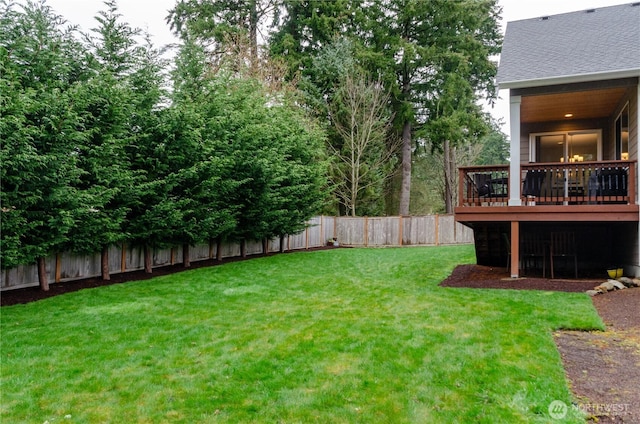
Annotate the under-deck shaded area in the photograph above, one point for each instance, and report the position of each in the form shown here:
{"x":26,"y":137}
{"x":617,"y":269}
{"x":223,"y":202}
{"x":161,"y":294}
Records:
{"x":595,"y":247}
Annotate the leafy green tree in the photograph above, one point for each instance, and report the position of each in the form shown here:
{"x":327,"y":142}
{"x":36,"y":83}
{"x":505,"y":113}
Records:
{"x":494,"y":148}
{"x":297,"y":189}
{"x":417,"y":47}
{"x":276,"y":154}
{"x":437,"y":50}
{"x":103,"y":111}
{"x":41,"y":198}
{"x":221,"y":24}
{"x":114,"y":42}
{"x":108,"y":119}
{"x":208,"y":179}
{"x":306,"y":27}
{"x":192,"y":184}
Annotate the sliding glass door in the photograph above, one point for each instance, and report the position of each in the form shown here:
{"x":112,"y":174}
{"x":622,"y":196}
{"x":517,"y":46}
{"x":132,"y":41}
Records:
{"x":574,"y":146}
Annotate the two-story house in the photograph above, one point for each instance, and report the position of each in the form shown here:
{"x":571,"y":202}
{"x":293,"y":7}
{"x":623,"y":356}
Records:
{"x":567,"y":204}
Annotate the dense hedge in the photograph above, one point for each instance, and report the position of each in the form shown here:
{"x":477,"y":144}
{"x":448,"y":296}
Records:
{"x":95,"y":151}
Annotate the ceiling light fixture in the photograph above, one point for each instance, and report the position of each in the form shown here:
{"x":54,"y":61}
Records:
{"x":568,"y":115}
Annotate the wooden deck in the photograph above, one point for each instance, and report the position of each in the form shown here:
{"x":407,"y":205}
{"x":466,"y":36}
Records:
{"x":589,"y":199}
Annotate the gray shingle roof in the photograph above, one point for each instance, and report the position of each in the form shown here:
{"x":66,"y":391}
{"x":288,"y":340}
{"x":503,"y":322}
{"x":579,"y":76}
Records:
{"x":604,"y":41}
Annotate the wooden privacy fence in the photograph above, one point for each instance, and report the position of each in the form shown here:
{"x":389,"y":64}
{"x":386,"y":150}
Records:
{"x":429,"y":230}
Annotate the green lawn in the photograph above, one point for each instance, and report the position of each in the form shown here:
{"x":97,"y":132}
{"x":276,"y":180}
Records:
{"x":335,"y":336}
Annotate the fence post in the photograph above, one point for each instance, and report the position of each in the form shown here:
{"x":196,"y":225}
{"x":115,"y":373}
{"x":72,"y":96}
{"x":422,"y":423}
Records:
{"x":123,"y":258}
{"x":366,"y":231}
{"x":58,"y":268}
{"x":455,"y":231}
{"x":400,"y":230}
{"x":437,"y":221}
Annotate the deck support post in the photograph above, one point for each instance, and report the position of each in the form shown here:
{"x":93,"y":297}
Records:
{"x":515,"y":249}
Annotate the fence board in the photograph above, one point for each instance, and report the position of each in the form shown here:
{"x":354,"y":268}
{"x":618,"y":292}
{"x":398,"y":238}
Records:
{"x":134,"y":258}
{"x":464,"y":234}
{"x":350,"y":231}
{"x":253,"y":248}
{"x":73,"y":266}
{"x":315,"y":236}
{"x":328,"y":228}
{"x":298,"y":241}
{"x":199,"y":252}
{"x":166,"y":256}
{"x":230,"y":250}
{"x":20,"y":276}
{"x":274,"y":245}
{"x":446,"y":229}
{"x":419,"y":230}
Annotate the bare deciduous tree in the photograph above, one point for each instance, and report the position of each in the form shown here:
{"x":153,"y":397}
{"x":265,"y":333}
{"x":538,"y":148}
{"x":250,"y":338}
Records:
{"x":364,"y":160}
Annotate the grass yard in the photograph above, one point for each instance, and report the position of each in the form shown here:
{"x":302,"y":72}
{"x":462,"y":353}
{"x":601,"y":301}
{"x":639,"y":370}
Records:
{"x":334,"y":336}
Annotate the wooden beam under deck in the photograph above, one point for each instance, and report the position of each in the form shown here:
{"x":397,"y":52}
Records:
{"x":514,"y":264}
{"x":551,"y":213}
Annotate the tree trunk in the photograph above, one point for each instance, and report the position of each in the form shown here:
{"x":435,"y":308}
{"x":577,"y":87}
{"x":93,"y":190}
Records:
{"x":265,"y":246}
{"x":449,"y":176}
{"x":42,"y":274}
{"x":453,"y":177}
{"x":186,"y":257}
{"x":243,"y":248}
{"x":405,"y":190}
{"x":282,"y":239}
{"x":253,"y":34}
{"x":104,"y":263}
{"x":447,"y":180}
{"x":148,"y":267}
{"x":219,"y":250}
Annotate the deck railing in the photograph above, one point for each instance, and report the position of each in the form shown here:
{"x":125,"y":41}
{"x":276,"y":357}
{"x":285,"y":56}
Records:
{"x":483,"y":185}
{"x":574,"y":183}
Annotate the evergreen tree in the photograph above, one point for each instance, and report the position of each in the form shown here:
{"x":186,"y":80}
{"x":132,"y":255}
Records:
{"x":42,"y":198}
{"x":417,"y":47}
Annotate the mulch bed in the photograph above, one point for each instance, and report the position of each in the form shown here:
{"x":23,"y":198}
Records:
{"x":603,"y":368}
{"x":484,"y":277}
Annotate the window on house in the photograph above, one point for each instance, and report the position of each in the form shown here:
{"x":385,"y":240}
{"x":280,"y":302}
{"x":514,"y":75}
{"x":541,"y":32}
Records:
{"x":574,"y":146}
{"x":622,"y":134}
